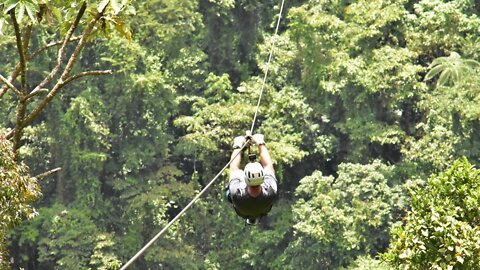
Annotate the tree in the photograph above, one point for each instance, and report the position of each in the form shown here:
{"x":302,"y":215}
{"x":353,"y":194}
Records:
{"x":346,"y":85}
{"x":451,"y":115}
{"x":352,"y":55}
{"x":448,"y":114}
{"x":30,"y":31}
{"x":111,"y":135}
{"x":340,"y":219}
{"x":87,"y":18}
{"x":361,"y":65}
{"x":65,"y":238}
{"x":232,"y":31}
{"x":441,"y":230}
{"x":452,"y":69}
{"x":17,"y":191}
{"x":369,"y":263}
{"x":211,"y":124}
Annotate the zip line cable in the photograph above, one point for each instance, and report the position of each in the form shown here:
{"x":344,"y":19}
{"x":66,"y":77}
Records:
{"x":141,"y":251}
{"x":181,"y":212}
{"x":268,"y":65}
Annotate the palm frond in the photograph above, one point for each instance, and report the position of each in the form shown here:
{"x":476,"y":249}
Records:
{"x":434,"y":72}
{"x":444,"y":78}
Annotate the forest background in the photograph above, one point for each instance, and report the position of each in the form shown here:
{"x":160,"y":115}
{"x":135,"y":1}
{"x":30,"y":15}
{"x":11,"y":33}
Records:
{"x":371,"y":113}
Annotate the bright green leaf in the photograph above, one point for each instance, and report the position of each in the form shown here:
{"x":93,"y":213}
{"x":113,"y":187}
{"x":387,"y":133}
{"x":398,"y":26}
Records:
{"x":472,"y":63}
{"x":9,"y":5}
{"x":433,"y":72}
{"x":444,"y":77}
{"x":2,"y":22}
{"x":31,"y":9}
{"x":116,"y":6}
{"x":102,"y":5}
{"x":20,"y":11}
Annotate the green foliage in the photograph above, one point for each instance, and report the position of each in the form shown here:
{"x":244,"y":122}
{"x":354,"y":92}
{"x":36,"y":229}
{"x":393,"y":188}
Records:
{"x":18,"y":190}
{"x":148,"y":206}
{"x":434,"y":150}
{"x":103,"y":258}
{"x":68,"y":239}
{"x":211,"y":126}
{"x":62,"y":13}
{"x":452,"y":115}
{"x":441,"y":229}
{"x":360,"y":65}
{"x":270,"y":240}
{"x":452,"y":69}
{"x":368,"y":263}
{"x":350,"y":81}
{"x":437,"y":26}
{"x":352,"y":56}
{"x":21,"y":8}
{"x":344,"y":217}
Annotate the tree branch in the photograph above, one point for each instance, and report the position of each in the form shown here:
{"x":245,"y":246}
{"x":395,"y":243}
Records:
{"x":86,"y":73}
{"x":12,"y":78}
{"x":22,"y":104}
{"x":47,"y":173}
{"x":16,"y":71}
{"x":21,"y":52}
{"x":61,"y":50}
{"x":9,"y":135}
{"x":68,"y":68}
{"x":8,"y":84}
{"x":71,"y":78}
{"x":26,"y":41}
{"x":32,"y":94}
{"x":49,"y":45}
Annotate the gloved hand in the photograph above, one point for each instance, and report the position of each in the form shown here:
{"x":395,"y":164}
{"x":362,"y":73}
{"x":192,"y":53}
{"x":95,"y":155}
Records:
{"x":238,"y":142}
{"x":258,"y":139}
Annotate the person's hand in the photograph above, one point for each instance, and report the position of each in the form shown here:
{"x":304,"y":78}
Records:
{"x":238,"y":142}
{"x":258,"y":139}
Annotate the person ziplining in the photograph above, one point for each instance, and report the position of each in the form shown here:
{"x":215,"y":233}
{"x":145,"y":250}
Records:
{"x":251,"y":191}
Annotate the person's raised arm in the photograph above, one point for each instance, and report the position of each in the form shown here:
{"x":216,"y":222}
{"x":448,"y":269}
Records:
{"x":236,"y":157}
{"x":265,"y":158}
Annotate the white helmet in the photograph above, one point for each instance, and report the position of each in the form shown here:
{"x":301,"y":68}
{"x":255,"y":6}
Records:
{"x":253,"y":174}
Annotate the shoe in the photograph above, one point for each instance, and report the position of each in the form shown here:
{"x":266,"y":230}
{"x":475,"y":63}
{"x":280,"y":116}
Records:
{"x":250,"y":221}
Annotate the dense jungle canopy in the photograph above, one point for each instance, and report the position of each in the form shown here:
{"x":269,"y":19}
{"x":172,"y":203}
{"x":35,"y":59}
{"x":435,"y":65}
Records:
{"x":371,"y":113}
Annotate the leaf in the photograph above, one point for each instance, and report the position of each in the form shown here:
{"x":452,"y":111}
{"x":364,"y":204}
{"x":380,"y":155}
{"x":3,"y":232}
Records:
{"x":102,"y":5}
{"x":2,"y":21}
{"x":472,"y":63}
{"x":123,"y":29}
{"x":9,"y":5}
{"x":455,"y":73}
{"x":20,"y":11}
{"x":31,"y":9}
{"x":454,"y":55}
{"x":130,"y":10}
{"x":438,"y":61}
{"x":434,"y":71}
{"x":116,"y":6}
{"x":444,"y":77}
